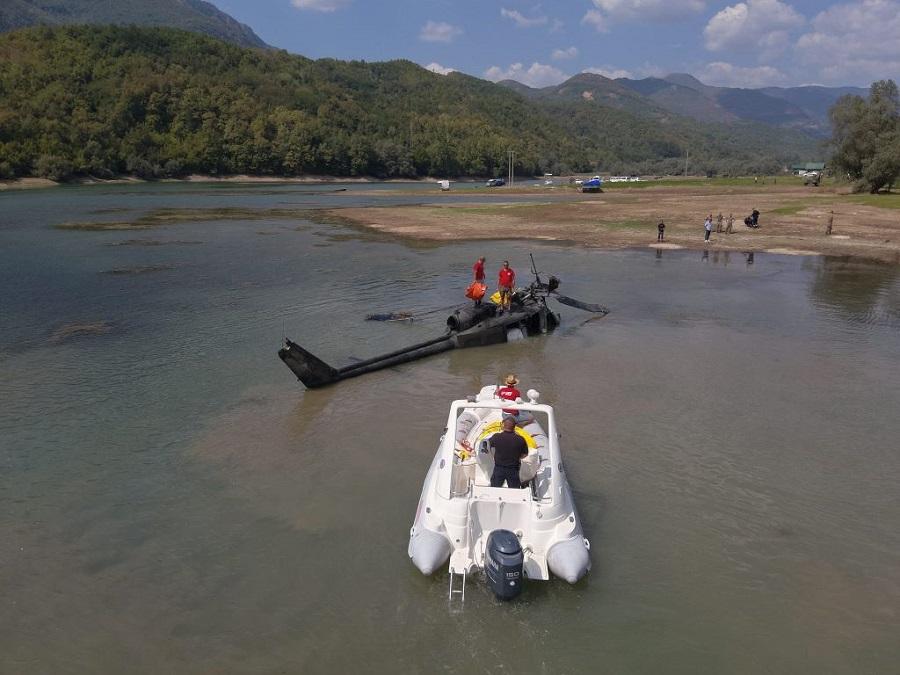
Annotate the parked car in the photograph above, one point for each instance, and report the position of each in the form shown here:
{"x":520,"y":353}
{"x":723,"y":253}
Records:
{"x":496,"y":182}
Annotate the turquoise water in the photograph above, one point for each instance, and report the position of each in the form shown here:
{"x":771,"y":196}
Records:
{"x":172,"y":500}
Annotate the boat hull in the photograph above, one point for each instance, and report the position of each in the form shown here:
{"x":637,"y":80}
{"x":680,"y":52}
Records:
{"x":570,"y":559}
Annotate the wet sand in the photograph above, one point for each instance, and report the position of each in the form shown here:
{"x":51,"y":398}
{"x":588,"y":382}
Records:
{"x":793,"y":220}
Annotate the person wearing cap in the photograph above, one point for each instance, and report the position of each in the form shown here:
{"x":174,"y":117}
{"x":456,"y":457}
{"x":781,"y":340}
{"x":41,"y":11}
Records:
{"x":509,"y":451}
{"x":506,"y":282}
{"x":509,"y":392}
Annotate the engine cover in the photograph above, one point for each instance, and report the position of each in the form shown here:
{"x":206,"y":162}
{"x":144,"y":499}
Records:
{"x":503,"y":561}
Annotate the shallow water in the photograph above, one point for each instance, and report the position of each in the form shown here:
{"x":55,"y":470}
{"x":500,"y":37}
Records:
{"x":171,"y":500}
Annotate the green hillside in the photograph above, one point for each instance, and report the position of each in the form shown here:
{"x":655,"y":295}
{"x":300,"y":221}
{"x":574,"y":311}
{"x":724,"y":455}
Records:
{"x":192,"y":15}
{"x":161,"y":102}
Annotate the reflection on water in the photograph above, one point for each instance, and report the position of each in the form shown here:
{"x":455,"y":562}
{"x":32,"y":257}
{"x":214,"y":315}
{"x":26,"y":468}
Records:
{"x":864,"y":293}
{"x":172,"y":500}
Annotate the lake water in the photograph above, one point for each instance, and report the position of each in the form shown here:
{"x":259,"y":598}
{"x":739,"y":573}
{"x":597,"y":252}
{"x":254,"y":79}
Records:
{"x":173,"y":501}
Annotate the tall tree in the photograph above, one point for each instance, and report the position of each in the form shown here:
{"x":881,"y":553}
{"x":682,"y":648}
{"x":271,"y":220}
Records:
{"x":867,"y":137}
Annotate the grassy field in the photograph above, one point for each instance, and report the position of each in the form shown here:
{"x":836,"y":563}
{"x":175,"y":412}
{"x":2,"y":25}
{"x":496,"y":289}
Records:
{"x":890,"y":200}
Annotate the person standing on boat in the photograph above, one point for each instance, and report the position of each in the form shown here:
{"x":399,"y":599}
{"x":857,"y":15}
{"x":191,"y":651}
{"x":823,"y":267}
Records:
{"x":509,"y":451}
{"x":509,"y":392}
{"x":506,"y":283}
{"x":477,"y":288}
{"x":478,"y":270}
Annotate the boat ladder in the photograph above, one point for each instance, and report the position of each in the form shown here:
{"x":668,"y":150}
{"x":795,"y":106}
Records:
{"x":461,"y":591}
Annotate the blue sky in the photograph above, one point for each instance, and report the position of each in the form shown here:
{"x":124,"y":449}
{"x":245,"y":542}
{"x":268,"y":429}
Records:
{"x":752,"y":43}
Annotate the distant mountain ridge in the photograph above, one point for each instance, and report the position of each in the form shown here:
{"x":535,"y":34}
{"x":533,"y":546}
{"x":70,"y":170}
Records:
{"x":196,"y":16}
{"x":800,"y":108}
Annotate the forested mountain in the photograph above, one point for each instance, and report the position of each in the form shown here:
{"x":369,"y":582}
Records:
{"x":160,"y":102}
{"x":801,"y":108}
{"x":192,"y":15}
{"x":814,"y":101}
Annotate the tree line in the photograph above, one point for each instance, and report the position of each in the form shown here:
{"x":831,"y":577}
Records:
{"x":866,"y":137}
{"x":158,"y":102}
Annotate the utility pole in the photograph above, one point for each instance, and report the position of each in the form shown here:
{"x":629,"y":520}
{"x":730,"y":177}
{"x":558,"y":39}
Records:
{"x":511,"y":156}
{"x":687,"y":156}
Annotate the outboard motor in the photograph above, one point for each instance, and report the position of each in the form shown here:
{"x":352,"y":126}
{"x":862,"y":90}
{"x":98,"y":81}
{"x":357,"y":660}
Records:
{"x":503,"y":559}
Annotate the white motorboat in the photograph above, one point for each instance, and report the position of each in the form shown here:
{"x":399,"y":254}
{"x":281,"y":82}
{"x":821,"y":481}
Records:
{"x":510,"y":533}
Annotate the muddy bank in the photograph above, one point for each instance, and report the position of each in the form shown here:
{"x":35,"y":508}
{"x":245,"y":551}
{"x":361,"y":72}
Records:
{"x":793,"y":220}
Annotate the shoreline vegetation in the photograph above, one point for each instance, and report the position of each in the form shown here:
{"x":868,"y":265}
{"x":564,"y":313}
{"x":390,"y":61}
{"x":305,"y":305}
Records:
{"x":793,"y":220}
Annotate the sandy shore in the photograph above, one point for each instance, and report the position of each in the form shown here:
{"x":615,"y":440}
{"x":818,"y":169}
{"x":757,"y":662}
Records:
{"x":793,"y":220}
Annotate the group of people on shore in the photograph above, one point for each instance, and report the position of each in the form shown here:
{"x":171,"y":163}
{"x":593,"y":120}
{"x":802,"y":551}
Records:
{"x":506,"y":281}
{"x":723,"y":225}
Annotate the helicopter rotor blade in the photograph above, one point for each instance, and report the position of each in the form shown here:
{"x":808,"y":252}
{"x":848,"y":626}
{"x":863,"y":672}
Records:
{"x":578,"y":304}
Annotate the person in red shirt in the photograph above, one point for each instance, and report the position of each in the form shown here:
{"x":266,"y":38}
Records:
{"x":477,"y":288}
{"x":508,"y":392}
{"x":507,"y":281}
{"x":478,"y":269}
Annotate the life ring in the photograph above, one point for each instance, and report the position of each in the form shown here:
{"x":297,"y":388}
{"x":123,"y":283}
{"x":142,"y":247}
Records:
{"x":497,"y":426}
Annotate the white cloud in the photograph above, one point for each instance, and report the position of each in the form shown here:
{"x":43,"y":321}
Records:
{"x":563,"y":54}
{"x":538,"y":75}
{"x":320,"y":5}
{"x":439,"y":69}
{"x":523,"y":21}
{"x":613,"y":11}
{"x":609,"y":71}
{"x":723,"y":74}
{"x":439,"y":31}
{"x":597,"y":20}
{"x":760,"y":26}
{"x":853,"y":43}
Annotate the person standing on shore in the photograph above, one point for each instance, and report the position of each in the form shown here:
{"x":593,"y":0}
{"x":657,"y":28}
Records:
{"x":662,"y":231}
{"x":506,"y":282}
{"x":830,"y":223}
{"x":708,"y":227}
{"x":719,"y":223}
{"x":729,"y":229}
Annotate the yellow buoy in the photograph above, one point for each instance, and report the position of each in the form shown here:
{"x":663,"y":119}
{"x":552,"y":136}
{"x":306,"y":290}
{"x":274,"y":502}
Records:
{"x":494,"y":427}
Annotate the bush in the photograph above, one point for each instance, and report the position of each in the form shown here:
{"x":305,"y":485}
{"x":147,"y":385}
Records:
{"x":54,"y":168}
{"x":141,"y":168}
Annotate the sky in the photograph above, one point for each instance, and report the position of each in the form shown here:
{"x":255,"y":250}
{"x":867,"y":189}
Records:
{"x":753,"y":43}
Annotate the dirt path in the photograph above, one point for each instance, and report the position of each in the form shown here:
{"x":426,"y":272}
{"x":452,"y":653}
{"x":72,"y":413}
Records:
{"x":793,"y":220}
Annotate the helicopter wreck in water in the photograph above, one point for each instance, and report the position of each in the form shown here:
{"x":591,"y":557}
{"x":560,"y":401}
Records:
{"x":472,"y":326}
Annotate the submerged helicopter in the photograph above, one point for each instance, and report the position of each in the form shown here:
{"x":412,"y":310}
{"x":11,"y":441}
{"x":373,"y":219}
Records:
{"x":471,"y":326}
